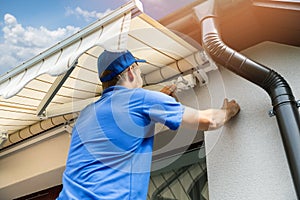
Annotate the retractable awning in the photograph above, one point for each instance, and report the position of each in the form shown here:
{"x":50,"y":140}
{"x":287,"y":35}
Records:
{"x":63,"y":79}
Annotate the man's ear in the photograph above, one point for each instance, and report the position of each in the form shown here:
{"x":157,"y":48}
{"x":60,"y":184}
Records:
{"x":130,"y":74}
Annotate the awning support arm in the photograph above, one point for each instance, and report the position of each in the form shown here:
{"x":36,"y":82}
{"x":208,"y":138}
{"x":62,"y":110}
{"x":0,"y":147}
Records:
{"x":59,"y":81}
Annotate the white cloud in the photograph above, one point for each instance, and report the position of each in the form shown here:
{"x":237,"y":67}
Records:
{"x":88,"y":16}
{"x":22,"y":43}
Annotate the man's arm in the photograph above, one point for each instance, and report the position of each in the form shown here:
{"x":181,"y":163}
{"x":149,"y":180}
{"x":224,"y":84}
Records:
{"x":210,"y":119}
{"x":204,"y":120}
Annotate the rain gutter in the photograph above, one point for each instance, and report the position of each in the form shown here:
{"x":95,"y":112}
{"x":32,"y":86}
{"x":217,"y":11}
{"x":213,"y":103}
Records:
{"x":285,"y":107}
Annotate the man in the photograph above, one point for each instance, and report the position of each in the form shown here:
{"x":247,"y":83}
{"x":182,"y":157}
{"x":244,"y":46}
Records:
{"x":111,"y":146}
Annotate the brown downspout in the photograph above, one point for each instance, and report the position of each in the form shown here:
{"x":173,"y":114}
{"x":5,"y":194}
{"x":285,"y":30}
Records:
{"x":284,"y":104}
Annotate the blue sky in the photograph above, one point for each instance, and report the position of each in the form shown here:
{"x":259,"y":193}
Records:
{"x":27,"y":27}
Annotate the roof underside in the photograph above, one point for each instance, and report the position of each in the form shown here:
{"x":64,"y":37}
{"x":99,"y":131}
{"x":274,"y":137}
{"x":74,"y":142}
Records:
{"x":243,"y":23}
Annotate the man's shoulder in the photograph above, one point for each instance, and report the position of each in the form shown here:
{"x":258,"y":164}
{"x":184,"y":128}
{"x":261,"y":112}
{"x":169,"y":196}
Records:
{"x":154,"y":96}
{"x":148,"y":92}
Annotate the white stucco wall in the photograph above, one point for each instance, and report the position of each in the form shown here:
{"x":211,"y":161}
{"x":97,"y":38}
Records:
{"x":246,"y":159}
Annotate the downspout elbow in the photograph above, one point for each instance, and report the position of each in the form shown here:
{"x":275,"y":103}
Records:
{"x":228,"y":57}
{"x":272,"y":82}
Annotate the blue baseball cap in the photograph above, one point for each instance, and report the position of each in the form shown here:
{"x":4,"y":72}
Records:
{"x":116,"y":62}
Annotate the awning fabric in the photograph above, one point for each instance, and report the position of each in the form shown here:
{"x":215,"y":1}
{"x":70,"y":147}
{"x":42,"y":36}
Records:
{"x":26,"y":87}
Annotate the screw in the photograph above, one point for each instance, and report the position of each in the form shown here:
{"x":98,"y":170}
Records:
{"x":298,"y":103}
{"x":272,"y":113}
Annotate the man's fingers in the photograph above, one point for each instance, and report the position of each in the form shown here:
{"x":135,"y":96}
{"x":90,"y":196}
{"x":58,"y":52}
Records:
{"x":172,"y":88}
{"x":225,"y":103}
{"x":169,"y":89}
{"x":232,"y":108}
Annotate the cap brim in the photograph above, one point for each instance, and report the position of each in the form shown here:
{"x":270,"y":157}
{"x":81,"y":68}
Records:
{"x":140,"y":60}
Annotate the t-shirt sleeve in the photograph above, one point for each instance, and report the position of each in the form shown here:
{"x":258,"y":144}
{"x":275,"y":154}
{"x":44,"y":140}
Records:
{"x":163,"y":109}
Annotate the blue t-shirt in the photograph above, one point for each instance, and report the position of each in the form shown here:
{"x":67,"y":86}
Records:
{"x":111,"y":147}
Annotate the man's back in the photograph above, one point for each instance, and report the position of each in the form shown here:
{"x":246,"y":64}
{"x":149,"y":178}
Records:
{"x":111,"y":147}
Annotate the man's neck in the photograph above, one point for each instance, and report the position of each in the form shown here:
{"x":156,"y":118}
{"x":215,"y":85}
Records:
{"x":129,"y":85}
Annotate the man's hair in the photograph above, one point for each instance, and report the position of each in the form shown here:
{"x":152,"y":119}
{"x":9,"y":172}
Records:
{"x":115,"y":81}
